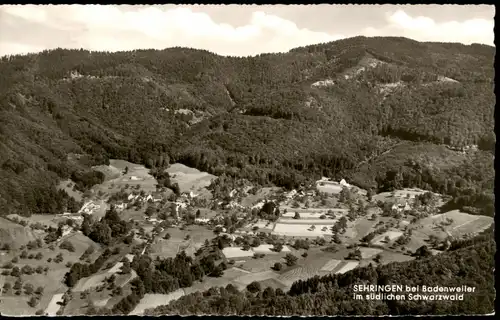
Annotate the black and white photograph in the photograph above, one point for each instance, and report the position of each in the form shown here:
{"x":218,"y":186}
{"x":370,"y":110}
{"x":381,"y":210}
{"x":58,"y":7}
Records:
{"x":247,"y":160}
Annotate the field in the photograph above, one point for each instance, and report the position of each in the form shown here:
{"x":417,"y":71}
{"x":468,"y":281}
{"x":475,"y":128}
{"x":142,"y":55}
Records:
{"x":260,"y":195}
{"x":367,"y":253}
{"x":329,"y":187}
{"x":331,"y":265}
{"x":248,"y":278}
{"x":391,"y":234}
{"x":154,"y":300}
{"x":137,"y":177}
{"x":53,"y":306}
{"x":14,"y":234}
{"x":190,"y":179}
{"x":176,"y":243}
{"x":299,"y":273}
{"x":348,"y":266}
{"x":236,"y":252}
{"x":67,"y":185}
{"x":463,"y":224}
{"x":301,"y":230}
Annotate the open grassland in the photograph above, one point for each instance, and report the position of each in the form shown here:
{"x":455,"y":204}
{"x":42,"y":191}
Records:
{"x":53,"y":306}
{"x":246,"y":279}
{"x":260,"y":195}
{"x":309,"y":222}
{"x":189,"y":179}
{"x":137,"y":178}
{"x":461,"y":224}
{"x":154,"y":300}
{"x":236,"y":252}
{"x":67,"y":185}
{"x":301,"y":230}
{"x":379,"y":240}
{"x":177,"y":242}
{"x":368,"y":253}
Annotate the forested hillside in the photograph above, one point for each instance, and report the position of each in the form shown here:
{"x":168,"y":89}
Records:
{"x":470,"y":264}
{"x":385,"y":119}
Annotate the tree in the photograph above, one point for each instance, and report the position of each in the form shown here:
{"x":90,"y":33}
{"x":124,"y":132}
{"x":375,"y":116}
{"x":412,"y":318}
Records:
{"x":24,"y":254}
{"x":198,"y":213}
{"x":296,"y":216}
{"x":277,"y":266}
{"x":39,"y":256}
{"x":290,"y":259}
{"x":254,"y":287}
{"x":16,"y":272}
{"x":150,"y":211}
{"x":28,"y":288}
{"x":125,"y":269}
{"x":255,"y":242}
{"x":278,"y":247}
{"x":167,"y":236}
{"x":33,"y":302}
{"x":7,"y":286}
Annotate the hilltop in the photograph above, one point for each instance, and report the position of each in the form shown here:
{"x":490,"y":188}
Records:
{"x":361,"y":108}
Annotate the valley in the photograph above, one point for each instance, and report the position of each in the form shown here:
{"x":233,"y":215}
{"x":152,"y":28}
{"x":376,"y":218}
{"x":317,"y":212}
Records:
{"x":260,"y":237}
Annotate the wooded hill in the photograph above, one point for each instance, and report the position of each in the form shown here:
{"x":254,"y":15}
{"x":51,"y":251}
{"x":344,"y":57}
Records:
{"x":469,"y":264}
{"x":263,"y":118}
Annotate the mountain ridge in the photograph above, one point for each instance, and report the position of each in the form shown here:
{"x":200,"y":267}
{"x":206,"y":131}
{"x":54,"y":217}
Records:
{"x":252,"y":116}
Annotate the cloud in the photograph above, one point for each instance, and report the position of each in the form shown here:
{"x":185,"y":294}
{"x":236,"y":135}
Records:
{"x":109,"y":28}
{"x":426,"y":29}
{"x":32,"y":28}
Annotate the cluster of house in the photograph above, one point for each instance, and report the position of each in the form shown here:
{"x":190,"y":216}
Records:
{"x":89,"y":207}
{"x":464,"y":148}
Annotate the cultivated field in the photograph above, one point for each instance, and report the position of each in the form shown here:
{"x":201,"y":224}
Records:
{"x":330,"y":265}
{"x":348,"y":266}
{"x":304,"y":271}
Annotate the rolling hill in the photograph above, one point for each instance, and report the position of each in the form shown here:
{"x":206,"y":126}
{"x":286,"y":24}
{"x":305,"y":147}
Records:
{"x":353,"y":108}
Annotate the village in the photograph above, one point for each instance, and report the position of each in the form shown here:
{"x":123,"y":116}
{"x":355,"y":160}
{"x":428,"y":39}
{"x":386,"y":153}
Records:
{"x":266,"y":235}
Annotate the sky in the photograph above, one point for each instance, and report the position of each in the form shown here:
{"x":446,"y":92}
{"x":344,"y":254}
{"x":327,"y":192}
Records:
{"x":237,"y":30}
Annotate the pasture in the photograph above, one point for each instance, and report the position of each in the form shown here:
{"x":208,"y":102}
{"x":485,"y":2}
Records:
{"x":150,"y":301}
{"x":368,"y":253}
{"x":67,"y":185}
{"x":189,"y":179}
{"x":137,"y":178}
{"x":379,"y":240}
{"x":177,"y":242}
{"x":301,"y":230}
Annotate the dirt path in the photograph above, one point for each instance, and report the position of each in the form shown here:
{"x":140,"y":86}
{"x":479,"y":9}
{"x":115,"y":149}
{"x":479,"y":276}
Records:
{"x":372,"y":157}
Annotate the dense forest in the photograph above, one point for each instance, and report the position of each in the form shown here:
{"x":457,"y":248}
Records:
{"x":386,"y":122}
{"x":468,"y":263}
